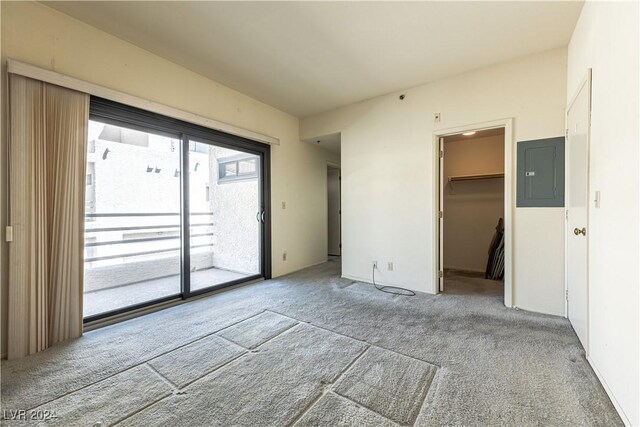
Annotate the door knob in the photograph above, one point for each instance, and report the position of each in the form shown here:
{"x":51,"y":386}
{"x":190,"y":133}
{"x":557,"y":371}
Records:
{"x":578,"y":231}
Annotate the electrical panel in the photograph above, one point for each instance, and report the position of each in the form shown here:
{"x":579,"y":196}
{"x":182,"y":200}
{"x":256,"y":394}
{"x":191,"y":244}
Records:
{"x":540,"y":173}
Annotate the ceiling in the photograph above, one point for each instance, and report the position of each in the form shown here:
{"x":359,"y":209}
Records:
{"x":309,"y":57}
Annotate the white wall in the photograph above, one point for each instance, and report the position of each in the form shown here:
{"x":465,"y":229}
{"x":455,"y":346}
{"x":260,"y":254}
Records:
{"x":34,"y":33}
{"x":388,"y":175}
{"x":471,"y":208}
{"x":606,"y":39}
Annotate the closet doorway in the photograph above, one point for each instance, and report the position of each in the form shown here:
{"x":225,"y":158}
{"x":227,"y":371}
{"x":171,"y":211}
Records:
{"x":334,"y":212}
{"x":473,"y":212}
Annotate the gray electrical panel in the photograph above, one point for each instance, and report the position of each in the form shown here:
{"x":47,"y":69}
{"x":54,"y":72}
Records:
{"x":540,"y":173}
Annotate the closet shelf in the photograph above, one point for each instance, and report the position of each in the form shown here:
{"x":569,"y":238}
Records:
{"x":475,"y":177}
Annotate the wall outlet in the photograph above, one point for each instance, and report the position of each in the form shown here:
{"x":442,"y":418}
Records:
{"x":375,"y":264}
{"x":284,"y":255}
{"x":390,"y":266}
{"x":436,"y":117}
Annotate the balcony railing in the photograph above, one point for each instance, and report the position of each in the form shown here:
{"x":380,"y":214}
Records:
{"x":143,"y":227}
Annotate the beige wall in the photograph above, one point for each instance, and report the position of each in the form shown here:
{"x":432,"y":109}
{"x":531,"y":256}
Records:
{"x":471,"y":208}
{"x":34,"y":33}
{"x":388,"y":179}
{"x":606,"y":39}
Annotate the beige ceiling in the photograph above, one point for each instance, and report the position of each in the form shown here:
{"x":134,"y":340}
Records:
{"x":308,"y":57}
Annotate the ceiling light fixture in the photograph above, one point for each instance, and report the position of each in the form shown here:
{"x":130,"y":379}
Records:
{"x":469,"y":133}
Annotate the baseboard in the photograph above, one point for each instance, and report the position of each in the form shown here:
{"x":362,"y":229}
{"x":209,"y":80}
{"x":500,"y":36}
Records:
{"x":311,"y":265}
{"x":471,"y":270}
{"x":531,"y":310}
{"x":616,"y":405}
{"x":369,"y":281}
{"x":299,"y":269}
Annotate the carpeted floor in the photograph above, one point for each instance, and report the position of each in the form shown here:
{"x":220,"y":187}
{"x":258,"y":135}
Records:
{"x":314,"y":349}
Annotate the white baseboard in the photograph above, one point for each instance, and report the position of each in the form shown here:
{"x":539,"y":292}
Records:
{"x":616,"y":405}
{"x":313,"y":264}
{"x":360,"y":279}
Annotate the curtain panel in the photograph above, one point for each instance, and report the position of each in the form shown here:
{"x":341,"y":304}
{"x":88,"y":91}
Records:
{"x":47,"y":178}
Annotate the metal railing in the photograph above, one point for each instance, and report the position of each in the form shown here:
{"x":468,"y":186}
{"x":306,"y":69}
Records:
{"x":90,"y":217}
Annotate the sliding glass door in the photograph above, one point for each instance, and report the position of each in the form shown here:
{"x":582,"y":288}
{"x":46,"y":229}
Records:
{"x":172,"y":210}
{"x":132,"y":218}
{"x":225,"y":215}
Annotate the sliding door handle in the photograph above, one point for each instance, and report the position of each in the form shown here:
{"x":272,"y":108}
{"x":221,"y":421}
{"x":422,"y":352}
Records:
{"x":262,"y":217}
{"x":258,"y":216}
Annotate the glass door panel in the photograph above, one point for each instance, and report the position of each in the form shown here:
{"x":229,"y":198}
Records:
{"x":225,"y":215}
{"x":132,"y":219}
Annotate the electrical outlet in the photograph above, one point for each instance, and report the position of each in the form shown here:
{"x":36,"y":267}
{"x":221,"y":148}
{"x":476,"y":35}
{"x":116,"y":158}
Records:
{"x":284,"y":255}
{"x":375,"y":264}
{"x":390,"y":266}
{"x":436,"y":117}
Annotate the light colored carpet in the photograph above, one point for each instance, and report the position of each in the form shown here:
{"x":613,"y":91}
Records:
{"x":186,"y":364}
{"x":269,"y":387}
{"x":333,"y":410}
{"x":389,"y":383}
{"x":314,"y":349}
{"x":257,"y":330}
{"x":107,"y":401}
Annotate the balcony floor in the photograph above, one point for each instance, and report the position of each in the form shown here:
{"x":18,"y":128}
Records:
{"x":104,"y":300}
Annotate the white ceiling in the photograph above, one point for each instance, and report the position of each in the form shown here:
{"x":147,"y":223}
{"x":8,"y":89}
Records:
{"x":329,"y":142}
{"x":308,"y":57}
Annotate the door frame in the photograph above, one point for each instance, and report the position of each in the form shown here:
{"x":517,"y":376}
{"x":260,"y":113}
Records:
{"x":112,"y":112}
{"x":587,"y":80}
{"x":264,"y":202}
{"x":507,"y":124}
{"x":332,"y":165}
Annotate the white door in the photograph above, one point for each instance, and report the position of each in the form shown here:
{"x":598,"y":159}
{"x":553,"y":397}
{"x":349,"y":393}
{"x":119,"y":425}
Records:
{"x":333,"y":210}
{"x":441,"y":218}
{"x":578,"y":125}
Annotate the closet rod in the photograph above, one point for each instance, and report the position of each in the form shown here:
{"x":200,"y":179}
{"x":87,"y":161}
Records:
{"x":477,"y":176}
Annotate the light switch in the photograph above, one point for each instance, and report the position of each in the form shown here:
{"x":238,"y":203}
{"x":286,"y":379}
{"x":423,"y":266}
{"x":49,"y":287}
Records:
{"x":596,"y":199}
